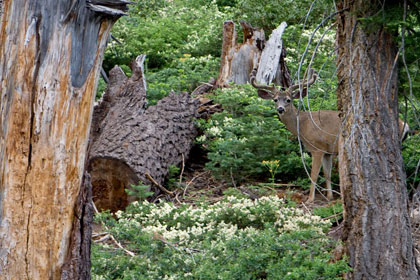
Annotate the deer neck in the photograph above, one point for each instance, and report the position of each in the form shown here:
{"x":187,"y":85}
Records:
{"x":289,"y":119}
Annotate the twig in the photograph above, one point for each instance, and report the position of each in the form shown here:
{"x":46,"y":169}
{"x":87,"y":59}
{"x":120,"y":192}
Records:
{"x":111,"y":236}
{"x":307,"y":209}
{"x":231,"y":176}
{"x":99,"y":234}
{"x":189,"y":183}
{"x":176,"y":198}
{"x":182,"y":168}
{"x":333,"y":216}
{"x":267,"y":187}
{"x":162,"y":188}
{"x":102,"y":239}
{"x":277,"y":185}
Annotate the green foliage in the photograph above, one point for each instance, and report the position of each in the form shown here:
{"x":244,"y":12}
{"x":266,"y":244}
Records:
{"x":166,"y":32}
{"x":101,"y":88}
{"x":173,"y":173}
{"x":232,"y":239}
{"x":329,"y":211}
{"x":245,"y":134}
{"x":268,"y":14}
{"x":140,"y":191}
{"x":184,"y":74}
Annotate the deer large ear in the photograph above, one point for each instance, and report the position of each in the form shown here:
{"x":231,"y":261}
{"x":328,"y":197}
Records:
{"x":265,"y":94}
{"x":296,"y":94}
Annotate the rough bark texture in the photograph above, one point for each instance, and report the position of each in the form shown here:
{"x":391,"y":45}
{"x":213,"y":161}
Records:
{"x":77,"y":264}
{"x":129,"y":141}
{"x":238,"y":60}
{"x":50,"y":56}
{"x":377,"y":228}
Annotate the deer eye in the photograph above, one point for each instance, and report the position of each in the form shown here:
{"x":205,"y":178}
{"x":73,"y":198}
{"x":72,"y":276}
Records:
{"x":288,"y":100}
{"x":275,"y":99}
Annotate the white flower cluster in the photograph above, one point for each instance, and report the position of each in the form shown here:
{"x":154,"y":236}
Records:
{"x":222,"y":220}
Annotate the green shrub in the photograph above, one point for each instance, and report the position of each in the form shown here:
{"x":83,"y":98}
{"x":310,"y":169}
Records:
{"x":184,"y":74}
{"x":334,"y":210}
{"x":232,"y":239}
{"x":140,"y":191}
{"x":166,"y":32}
{"x":247,"y":133}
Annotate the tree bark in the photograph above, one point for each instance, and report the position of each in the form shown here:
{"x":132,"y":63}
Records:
{"x":377,"y":228}
{"x":238,"y":60}
{"x":50,"y":57}
{"x":130,"y":141}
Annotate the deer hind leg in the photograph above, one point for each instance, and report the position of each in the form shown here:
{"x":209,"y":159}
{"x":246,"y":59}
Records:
{"x":316,"y":166}
{"x":327,"y":166}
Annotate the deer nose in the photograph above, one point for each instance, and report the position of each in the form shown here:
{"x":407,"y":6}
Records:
{"x":280,"y":110}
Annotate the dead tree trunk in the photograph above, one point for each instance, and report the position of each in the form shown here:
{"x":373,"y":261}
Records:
{"x":130,"y":141}
{"x":50,"y":56}
{"x":271,"y":65}
{"x":377,"y":228}
{"x":238,"y":60}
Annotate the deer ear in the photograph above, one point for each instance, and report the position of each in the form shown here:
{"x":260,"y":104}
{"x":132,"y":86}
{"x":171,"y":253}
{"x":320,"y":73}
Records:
{"x":296,"y":93}
{"x":265,"y":94}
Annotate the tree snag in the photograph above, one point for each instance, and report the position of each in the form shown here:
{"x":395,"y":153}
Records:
{"x":50,"y":56}
{"x":238,"y":60}
{"x":130,"y":141}
{"x":377,"y":227}
{"x":271,"y":65}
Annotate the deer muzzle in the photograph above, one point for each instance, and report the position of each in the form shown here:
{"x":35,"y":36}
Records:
{"x":280,"y":110}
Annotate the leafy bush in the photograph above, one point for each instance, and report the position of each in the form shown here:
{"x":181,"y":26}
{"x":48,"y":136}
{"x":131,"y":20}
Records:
{"x":166,"y":32}
{"x":184,"y":74}
{"x":333,"y":210}
{"x":140,"y":191}
{"x":232,"y":239}
{"x":268,"y":14}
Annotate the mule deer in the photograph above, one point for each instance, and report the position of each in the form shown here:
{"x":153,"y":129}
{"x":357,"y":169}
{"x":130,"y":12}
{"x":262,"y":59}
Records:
{"x":318,"y":130}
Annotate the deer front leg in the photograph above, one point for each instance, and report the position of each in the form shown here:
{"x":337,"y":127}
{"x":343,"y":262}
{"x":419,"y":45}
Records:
{"x":327,"y":166}
{"x":316,"y":166}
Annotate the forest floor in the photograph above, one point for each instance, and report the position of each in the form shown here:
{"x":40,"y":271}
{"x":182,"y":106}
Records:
{"x":195,"y":184}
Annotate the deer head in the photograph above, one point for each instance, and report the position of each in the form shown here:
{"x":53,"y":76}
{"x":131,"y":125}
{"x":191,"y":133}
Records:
{"x":283,"y":97}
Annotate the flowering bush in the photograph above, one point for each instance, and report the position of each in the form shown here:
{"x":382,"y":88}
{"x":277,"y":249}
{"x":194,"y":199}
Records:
{"x":232,"y":239}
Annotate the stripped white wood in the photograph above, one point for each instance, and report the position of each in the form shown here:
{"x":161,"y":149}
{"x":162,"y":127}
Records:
{"x":270,"y":57}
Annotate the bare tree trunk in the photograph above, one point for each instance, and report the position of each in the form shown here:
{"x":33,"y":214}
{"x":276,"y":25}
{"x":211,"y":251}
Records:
{"x":130,"y":141}
{"x":238,"y":60}
{"x":377,"y":228}
{"x":269,"y":69}
{"x":50,"y":57}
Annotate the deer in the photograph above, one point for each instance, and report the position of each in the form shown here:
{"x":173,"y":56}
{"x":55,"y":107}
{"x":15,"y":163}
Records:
{"x":318,"y":130}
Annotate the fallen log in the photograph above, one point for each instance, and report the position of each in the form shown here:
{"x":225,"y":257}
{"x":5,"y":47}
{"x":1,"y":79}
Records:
{"x":129,"y":140}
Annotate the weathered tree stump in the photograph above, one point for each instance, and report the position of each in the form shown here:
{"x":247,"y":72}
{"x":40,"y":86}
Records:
{"x":130,"y":141}
{"x":238,"y":60}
